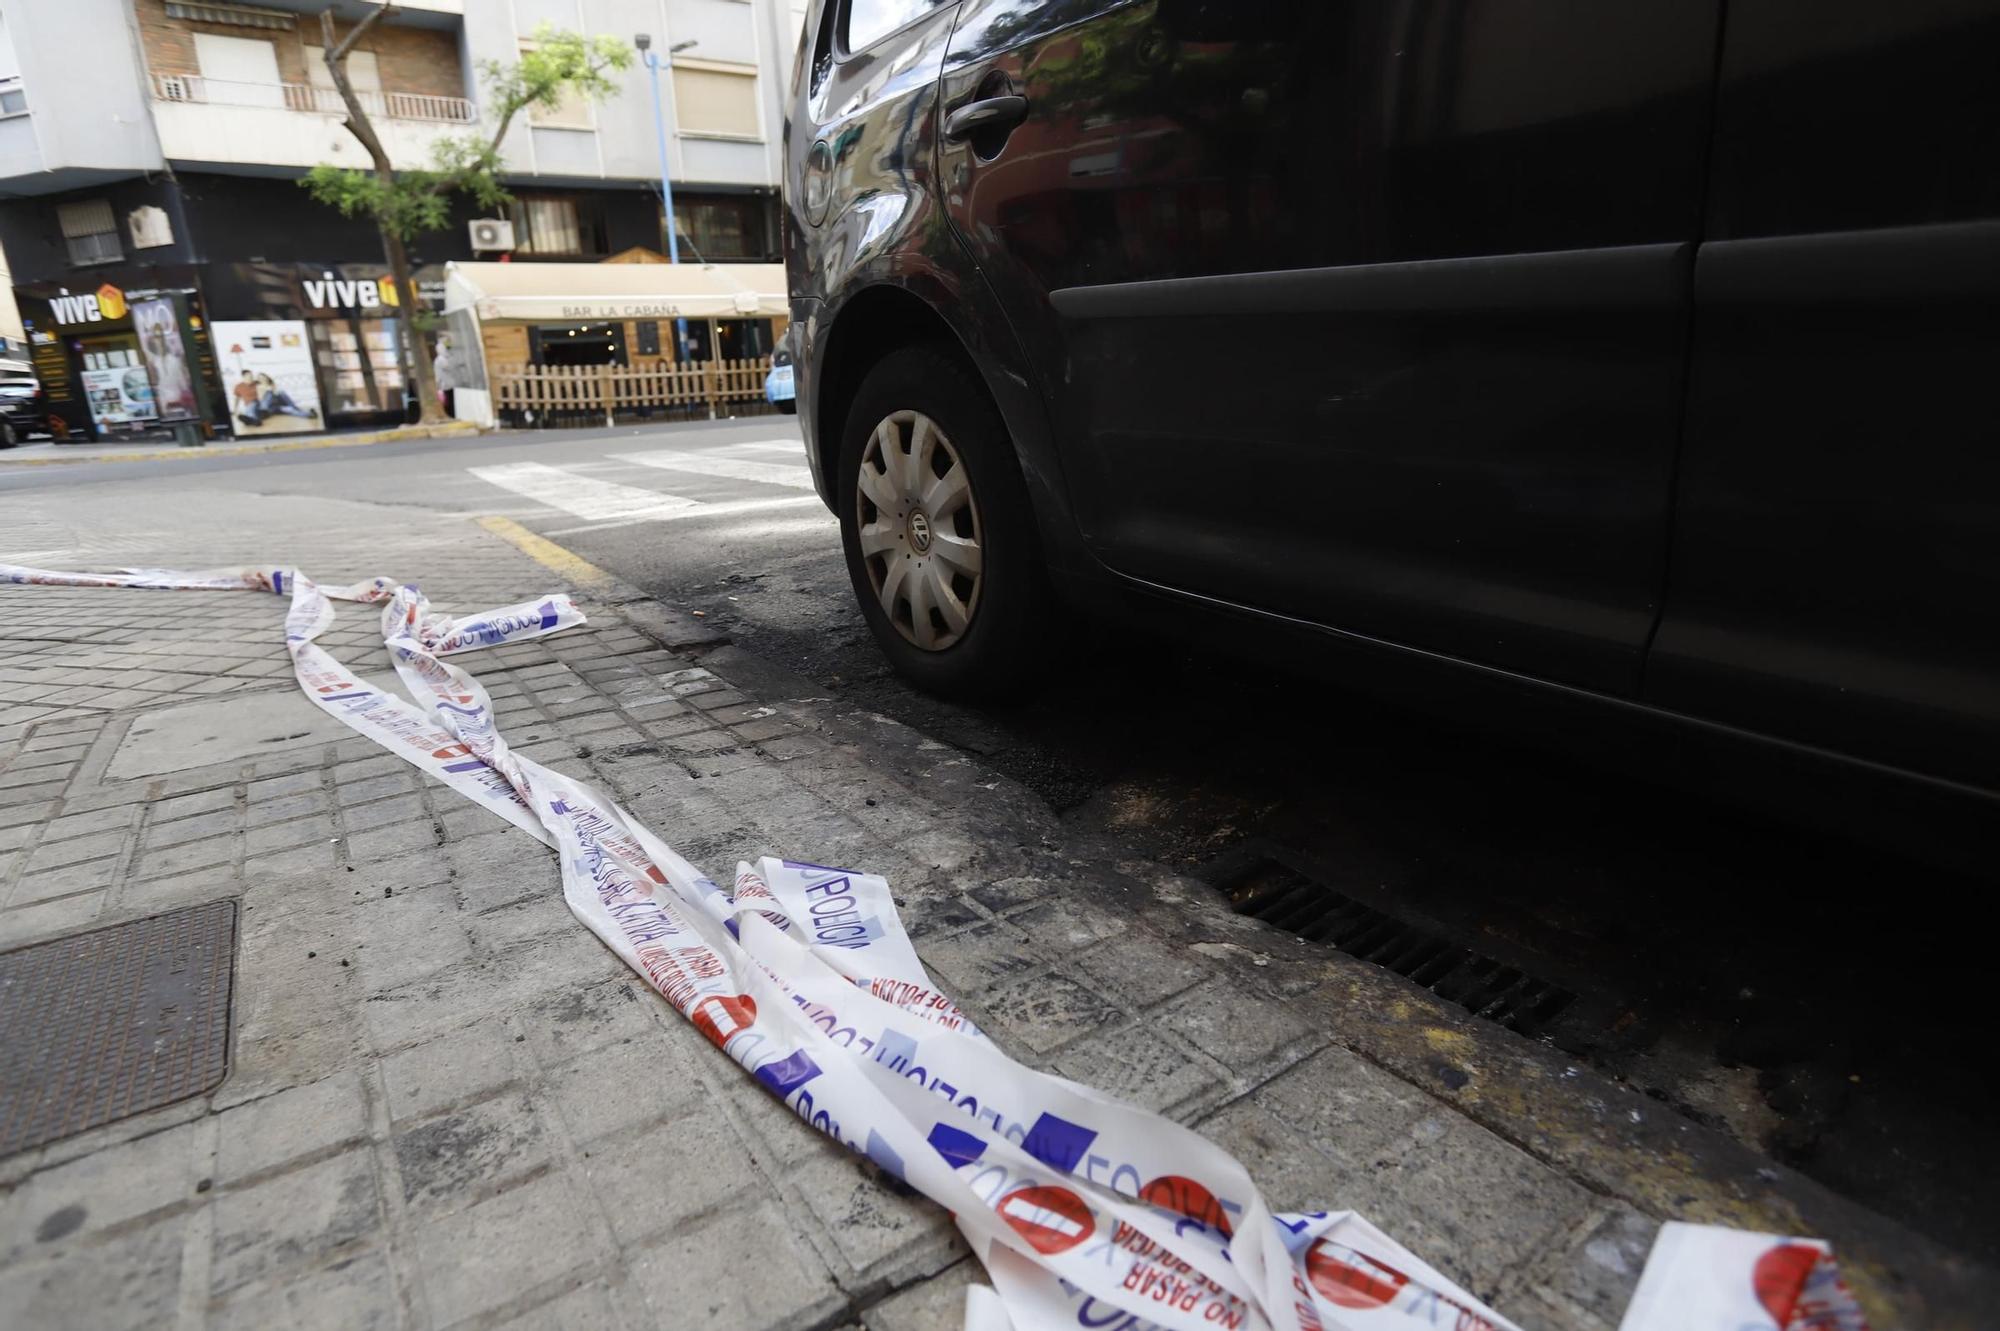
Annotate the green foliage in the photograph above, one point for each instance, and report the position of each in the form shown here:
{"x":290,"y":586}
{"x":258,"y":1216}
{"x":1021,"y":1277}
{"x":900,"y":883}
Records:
{"x":557,"y":65}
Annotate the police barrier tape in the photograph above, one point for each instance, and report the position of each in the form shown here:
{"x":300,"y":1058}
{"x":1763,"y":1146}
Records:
{"x":1087,"y":1212}
{"x":1706,"y":1276}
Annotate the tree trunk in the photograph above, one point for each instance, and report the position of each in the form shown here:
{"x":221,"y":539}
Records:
{"x":417,"y":365}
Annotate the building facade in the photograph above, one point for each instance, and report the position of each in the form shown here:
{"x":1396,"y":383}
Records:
{"x":150,"y":154}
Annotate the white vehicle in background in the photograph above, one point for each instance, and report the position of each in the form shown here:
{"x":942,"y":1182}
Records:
{"x":23,"y":405}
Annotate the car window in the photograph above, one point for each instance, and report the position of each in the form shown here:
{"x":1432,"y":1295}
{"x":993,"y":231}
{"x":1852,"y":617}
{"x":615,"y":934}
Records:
{"x":864,"y":22}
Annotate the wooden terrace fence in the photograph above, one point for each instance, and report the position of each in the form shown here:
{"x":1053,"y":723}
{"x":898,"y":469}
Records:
{"x":545,"y":395}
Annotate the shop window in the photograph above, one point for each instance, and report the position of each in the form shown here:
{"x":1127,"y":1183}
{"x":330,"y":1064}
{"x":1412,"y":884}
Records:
{"x":552,"y":225}
{"x":722,"y":227}
{"x":716,"y":100}
{"x":90,"y":231}
{"x":744,"y":339}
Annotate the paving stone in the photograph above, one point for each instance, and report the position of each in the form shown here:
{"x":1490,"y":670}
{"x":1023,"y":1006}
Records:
{"x":66,"y":881}
{"x":973,"y":961}
{"x":1350,"y":1109}
{"x":107,"y":1187}
{"x":47,"y":919}
{"x":156,"y":894}
{"x":1598,"y":1273}
{"x":285,"y":808}
{"x":363,"y":789}
{"x":493,"y":1253}
{"x":204,"y":801}
{"x":292,"y":1218}
{"x":1240,"y":1029}
{"x":386,"y":842}
{"x":161,"y":861}
{"x":1134,"y":1061}
{"x":1044,"y":1012}
{"x":131,"y":1283}
{"x":214,"y":823}
{"x":792,"y":1288}
{"x":268,"y":1132}
{"x":875,"y":1223}
{"x":635,"y":1080}
{"x":1142,"y":970}
{"x":589,"y":1308}
{"x":401,"y":938}
{"x":55,"y":854}
{"x":284,"y":836}
{"x":358,"y":1294}
{"x":934,"y":1302}
{"x":579,"y":1018}
{"x":273,"y":791}
{"x":452,"y":1069}
{"x":1473,"y":1204}
{"x":298,"y":860}
{"x":655,"y":1178}
{"x":448,"y":1160}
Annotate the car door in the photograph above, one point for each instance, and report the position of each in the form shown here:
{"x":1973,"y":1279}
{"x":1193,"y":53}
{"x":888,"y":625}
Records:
{"x":1371,"y":314}
{"x":1836,"y":565}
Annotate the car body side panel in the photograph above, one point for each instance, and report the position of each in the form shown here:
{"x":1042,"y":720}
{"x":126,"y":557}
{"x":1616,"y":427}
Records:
{"x":1370,"y":314}
{"x":1836,"y":566}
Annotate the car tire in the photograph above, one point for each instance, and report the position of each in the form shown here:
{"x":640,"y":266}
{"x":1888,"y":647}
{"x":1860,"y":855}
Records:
{"x":986,"y":627}
{"x":8,"y":436}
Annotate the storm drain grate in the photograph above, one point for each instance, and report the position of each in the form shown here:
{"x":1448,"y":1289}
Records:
{"x":103,"y":1025}
{"x":1282,"y":896}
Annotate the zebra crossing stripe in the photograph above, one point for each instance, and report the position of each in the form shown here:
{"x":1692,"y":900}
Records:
{"x":736,"y":469}
{"x":584,"y":496}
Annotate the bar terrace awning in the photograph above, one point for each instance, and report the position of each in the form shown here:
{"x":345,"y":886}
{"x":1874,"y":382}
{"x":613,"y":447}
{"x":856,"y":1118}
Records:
{"x":594,"y":292}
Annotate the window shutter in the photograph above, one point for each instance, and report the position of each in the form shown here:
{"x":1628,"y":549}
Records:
{"x":92,"y":217}
{"x":715,"y":101}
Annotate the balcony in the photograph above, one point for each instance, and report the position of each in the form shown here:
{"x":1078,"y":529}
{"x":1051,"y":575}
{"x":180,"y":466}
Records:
{"x":225,"y":123}
{"x":311,"y":98}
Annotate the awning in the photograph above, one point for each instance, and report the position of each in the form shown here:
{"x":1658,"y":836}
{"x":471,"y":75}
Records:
{"x":588,"y":292}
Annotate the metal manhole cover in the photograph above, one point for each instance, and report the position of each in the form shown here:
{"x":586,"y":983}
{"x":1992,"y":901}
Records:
{"x":103,"y":1025}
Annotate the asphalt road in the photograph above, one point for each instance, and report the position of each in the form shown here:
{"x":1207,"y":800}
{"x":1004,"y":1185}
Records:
{"x":1821,"y":998}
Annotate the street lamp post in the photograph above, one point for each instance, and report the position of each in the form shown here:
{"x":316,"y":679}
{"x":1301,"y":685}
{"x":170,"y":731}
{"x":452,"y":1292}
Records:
{"x":644,"y":42}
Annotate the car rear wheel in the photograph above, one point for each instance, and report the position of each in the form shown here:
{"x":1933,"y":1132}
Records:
{"x":7,"y":436}
{"x":938,"y":531}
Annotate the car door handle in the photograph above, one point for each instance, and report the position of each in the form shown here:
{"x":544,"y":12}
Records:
{"x":988,"y":113}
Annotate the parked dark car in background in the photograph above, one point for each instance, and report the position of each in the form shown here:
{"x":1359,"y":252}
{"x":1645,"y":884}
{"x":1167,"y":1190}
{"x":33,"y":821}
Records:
{"x":24,"y":409}
{"x":1625,"y":358}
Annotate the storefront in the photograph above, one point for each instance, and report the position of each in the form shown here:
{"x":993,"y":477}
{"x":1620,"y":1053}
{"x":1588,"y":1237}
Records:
{"x":331,"y":333}
{"x":514,"y":318}
{"x":118,"y":360}
{"x":243,"y":349}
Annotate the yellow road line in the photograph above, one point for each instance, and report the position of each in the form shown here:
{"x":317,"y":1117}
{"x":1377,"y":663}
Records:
{"x":548,"y":554}
{"x":284,"y":446}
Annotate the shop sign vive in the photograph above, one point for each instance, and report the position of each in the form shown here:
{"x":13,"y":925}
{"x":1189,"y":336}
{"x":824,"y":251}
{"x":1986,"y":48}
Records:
{"x":340,"y":293}
{"x":108,"y":302}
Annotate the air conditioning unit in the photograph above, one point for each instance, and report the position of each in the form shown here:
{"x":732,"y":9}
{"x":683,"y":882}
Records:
{"x":491,"y":233}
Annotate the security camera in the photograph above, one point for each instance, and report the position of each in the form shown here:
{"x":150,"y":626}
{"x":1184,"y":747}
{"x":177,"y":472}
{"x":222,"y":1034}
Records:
{"x":643,"y":40}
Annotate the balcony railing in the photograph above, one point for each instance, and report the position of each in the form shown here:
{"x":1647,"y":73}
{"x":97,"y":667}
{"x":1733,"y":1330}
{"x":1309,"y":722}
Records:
{"x":311,"y":98}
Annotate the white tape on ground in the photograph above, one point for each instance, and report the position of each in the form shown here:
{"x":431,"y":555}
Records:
{"x":1086,"y":1211}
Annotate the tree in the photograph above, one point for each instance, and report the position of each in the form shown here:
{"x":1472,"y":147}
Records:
{"x":405,"y":203}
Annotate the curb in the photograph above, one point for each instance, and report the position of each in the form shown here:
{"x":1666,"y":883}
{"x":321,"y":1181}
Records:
{"x":393,"y":436}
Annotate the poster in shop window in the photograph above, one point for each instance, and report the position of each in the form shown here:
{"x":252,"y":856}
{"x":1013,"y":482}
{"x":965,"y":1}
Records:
{"x":267,"y":372}
{"x":158,"y":327}
{"x":118,"y":393}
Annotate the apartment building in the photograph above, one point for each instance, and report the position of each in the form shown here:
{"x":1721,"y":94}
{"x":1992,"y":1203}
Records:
{"x":150,"y":152}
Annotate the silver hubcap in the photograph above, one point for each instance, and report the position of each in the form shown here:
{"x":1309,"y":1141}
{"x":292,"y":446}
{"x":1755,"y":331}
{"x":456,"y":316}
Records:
{"x":919,"y":530}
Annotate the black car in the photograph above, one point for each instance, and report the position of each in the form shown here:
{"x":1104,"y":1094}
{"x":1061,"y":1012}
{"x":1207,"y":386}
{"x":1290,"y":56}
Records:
{"x":1614,"y":356}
